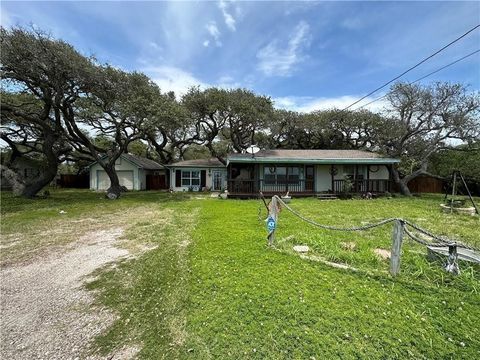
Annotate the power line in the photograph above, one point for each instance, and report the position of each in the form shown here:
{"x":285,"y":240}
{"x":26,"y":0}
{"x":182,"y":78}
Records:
{"x":413,"y":67}
{"x":423,"y":77}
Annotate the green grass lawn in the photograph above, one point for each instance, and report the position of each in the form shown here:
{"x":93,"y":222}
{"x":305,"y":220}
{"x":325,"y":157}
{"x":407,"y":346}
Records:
{"x":213,"y":289}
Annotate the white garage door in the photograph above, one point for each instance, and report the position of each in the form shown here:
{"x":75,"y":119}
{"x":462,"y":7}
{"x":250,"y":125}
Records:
{"x":125,"y":178}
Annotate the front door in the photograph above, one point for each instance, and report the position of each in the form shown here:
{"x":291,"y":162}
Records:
{"x":309,"y":177}
{"x":217,"y":180}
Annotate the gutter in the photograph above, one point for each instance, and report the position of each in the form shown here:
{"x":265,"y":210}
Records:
{"x":314,"y":161}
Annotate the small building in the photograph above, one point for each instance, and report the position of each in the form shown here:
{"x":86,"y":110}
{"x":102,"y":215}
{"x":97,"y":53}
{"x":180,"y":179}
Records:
{"x":134,"y":172}
{"x":308,"y":172}
{"x":198,"y":174}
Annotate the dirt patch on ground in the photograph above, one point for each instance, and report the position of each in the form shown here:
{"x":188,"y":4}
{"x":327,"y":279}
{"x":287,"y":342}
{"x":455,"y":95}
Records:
{"x":46,"y":313}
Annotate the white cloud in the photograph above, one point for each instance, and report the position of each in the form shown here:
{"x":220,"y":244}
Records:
{"x":352,"y":23}
{"x":214,"y":32}
{"x":275,"y":61}
{"x":228,"y":82}
{"x":206,"y":43}
{"x":5,"y":19}
{"x":228,"y":17}
{"x":307,"y":103}
{"x":171,"y":78}
{"x":154,"y":46}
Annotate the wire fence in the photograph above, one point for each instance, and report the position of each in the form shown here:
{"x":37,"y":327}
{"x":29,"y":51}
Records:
{"x":440,"y":241}
{"x":401,"y":227}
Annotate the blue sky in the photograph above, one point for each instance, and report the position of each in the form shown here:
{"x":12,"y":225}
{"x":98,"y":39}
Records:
{"x":305,"y":55}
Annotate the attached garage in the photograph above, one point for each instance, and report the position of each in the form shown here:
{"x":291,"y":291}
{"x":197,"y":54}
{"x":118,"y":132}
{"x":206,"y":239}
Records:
{"x":132,"y":172}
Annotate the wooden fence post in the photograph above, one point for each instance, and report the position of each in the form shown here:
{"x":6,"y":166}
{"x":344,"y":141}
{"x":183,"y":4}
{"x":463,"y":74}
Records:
{"x":272,"y":214}
{"x":397,"y":236}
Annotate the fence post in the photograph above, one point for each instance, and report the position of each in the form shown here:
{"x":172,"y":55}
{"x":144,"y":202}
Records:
{"x":272,"y":215}
{"x":452,"y":264}
{"x":397,"y":236}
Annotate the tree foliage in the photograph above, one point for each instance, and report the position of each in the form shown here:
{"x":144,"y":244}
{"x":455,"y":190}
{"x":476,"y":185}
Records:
{"x":422,"y":120}
{"x":36,"y":79}
{"x":58,"y":105}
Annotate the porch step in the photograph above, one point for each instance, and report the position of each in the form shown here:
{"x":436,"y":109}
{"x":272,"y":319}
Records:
{"x":327,"y":196}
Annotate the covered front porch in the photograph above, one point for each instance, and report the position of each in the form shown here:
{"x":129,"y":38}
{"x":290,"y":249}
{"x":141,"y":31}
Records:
{"x":245,"y":180}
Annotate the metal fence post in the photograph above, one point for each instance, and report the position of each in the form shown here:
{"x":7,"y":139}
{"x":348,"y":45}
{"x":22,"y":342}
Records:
{"x":397,"y":236}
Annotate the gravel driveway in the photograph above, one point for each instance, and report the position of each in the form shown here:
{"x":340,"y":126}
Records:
{"x":45,"y":312}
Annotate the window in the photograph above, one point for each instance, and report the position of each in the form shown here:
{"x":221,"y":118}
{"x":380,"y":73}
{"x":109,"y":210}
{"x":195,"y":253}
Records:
{"x":350,"y":172}
{"x":190,"y":178}
{"x":281,"y":175}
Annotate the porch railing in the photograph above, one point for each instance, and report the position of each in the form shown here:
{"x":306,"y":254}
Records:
{"x":254,"y":186}
{"x":361,"y":186}
{"x":306,"y":186}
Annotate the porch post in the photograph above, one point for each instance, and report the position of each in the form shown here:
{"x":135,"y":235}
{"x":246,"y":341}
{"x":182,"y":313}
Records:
{"x":286,"y":179}
{"x":368,"y":178}
{"x":333,"y":180}
{"x":355,"y":178}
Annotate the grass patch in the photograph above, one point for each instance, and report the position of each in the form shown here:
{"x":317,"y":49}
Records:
{"x":149,"y":293}
{"x":31,"y":226}
{"x":211,"y":288}
{"x":248,"y":301}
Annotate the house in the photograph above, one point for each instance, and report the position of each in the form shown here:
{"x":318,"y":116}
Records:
{"x":134,"y":172}
{"x":198,"y":174}
{"x":307,"y":172}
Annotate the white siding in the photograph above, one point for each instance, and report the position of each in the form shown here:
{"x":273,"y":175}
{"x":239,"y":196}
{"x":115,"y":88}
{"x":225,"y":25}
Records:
{"x":381,"y":174}
{"x":208,"y":179}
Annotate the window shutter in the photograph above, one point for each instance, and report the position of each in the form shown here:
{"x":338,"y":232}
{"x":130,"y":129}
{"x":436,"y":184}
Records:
{"x":203,"y":178}
{"x":178,"y":178}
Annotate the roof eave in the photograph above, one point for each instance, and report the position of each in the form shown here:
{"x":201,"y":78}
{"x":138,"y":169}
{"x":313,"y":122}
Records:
{"x":315,"y":161}
{"x":195,"y":166}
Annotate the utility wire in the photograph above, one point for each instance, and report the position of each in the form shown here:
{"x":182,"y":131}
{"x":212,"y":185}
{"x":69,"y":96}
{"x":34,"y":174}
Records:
{"x":423,"y":77}
{"x":413,"y":67}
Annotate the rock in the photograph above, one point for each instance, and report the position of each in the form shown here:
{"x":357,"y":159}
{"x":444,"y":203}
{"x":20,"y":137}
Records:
{"x":223,"y":196}
{"x":286,"y":199}
{"x":301,"y":248}
{"x":459,"y":210}
{"x":112,"y":196}
{"x":382,"y":253}
{"x":348,"y":246}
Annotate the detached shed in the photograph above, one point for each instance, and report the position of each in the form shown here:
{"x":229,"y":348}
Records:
{"x":132,"y":171}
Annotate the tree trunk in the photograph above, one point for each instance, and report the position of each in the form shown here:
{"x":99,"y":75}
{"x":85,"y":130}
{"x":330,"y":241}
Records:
{"x":401,"y":183}
{"x":114,"y":191}
{"x":29,"y":189}
{"x":33,"y":188}
{"x":14,"y":179}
